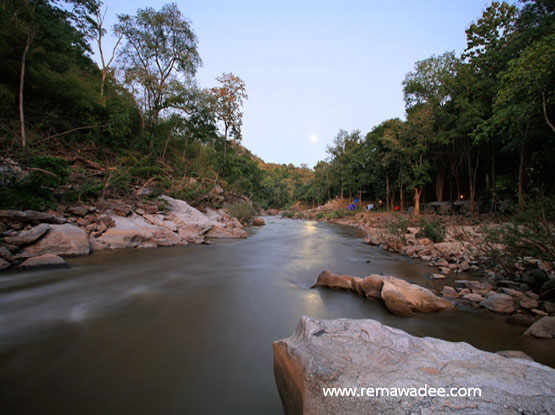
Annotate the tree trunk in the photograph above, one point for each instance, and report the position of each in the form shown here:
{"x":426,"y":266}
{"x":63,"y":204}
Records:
{"x":522,"y":176}
{"x":439,"y":183}
{"x":417,"y":193}
{"x":104,"y":73}
{"x":341,"y":185}
{"x":493,"y":178}
{"x":21,"y":84}
{"x":402,"y":198}
{"x":225,"y":143}
{"x":472,"y":174}
{"x":387,"y":191}
{"x":392,"y":199}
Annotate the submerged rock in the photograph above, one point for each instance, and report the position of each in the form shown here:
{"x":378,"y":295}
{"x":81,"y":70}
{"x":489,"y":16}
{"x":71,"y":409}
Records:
{"x":363,"y":354}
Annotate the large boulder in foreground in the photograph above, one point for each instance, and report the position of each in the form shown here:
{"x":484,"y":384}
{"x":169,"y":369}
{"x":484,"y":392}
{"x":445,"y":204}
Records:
{"x":365,"y":354}
{"x":64,"y":240}
{"x":400,"y":297}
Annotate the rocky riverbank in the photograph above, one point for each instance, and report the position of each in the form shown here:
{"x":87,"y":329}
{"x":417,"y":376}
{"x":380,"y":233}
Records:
{"x":31,"y":239}
{"x":405,"y":299}
{"x":364,"y":354}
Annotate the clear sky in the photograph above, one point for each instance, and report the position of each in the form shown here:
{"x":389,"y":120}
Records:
{"x":313,"y":67}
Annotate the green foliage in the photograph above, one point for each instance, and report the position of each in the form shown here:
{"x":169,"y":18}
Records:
{"x":244,"y":212}
{"x":530,"y":233}
{"x":432,"y":229}
{"x":398,"y":226}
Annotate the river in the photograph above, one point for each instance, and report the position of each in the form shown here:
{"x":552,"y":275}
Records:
{"x":189,"y":330}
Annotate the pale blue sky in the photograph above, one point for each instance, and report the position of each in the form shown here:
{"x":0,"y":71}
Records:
{"x":313,"y":67}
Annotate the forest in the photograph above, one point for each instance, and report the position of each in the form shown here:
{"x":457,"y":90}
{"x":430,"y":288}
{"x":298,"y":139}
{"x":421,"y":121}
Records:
{"x":479,"y":126}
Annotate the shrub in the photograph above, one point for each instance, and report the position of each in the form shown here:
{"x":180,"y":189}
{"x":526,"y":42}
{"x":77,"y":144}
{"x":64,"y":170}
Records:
{"x":433,"y":230}
{"x":243,"y":212}
{"x":531,"y":232}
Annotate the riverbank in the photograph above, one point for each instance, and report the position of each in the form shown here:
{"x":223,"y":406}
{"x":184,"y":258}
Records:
{"x":32,"y":239}
{"x":524,"y":297}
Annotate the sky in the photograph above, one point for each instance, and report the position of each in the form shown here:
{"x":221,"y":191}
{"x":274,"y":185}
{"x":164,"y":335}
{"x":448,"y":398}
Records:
{"x":312,"y":68}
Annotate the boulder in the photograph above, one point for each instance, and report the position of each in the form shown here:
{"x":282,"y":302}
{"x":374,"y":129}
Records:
{"x":372,"y":285}
{"x":135,"y":232}
{"x":5,"y":253}
{"x":66,"y":239}
{"x":549,"y":306}
{"x":344,"y":282}
{"x":517,"y":295}
{"x":29,"y":236}
{"x":535,"y":278}
{"x":223,"y":232}
{"x":528,"y":303}
{"x":500,"y":303}
{"x":43,"y":261}
{"x":4,"y":264}
{"x":473,"y":298}
{"x":544,"y":328}
{"x":80,"y":211}
{"x":258,"y":222}
{"x":29,"y":216}
{"x":186,"y":216}
{"x":449,"y":292}
{"x":400,"y":297}
{"x":365,"y":354}
{"x":464,"y":266}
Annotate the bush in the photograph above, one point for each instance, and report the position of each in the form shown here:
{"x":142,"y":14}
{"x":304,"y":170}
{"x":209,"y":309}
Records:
{"x":433,"y":230}
{"x":531,"y":232}
{"x":243,"y":212}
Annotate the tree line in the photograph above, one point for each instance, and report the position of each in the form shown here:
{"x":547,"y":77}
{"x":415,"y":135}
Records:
{"x":478,"y":125}
{"x":140,"y":112}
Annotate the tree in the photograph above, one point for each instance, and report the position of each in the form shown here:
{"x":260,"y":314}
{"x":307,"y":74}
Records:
{"x":430,"y":84}
{"x":415,"y":144}
{"x":100,"y":32}
{"x":24,"y":21}
{"x":487,"y":52}
{"x":527,"y":90}
{"x":229,"y":98}
{"x":160,"y":52}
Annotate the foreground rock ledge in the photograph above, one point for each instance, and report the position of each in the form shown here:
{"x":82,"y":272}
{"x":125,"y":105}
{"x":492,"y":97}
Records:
{"x":348,"y":353}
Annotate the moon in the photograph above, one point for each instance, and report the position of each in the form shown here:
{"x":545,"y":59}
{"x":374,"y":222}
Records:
{"x":313,"y":138}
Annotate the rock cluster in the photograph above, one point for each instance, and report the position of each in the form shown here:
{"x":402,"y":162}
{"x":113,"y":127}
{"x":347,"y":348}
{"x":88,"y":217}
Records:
{"x":363,"y":354}
{"x":107,"y":225}
{"x":399,"y":296}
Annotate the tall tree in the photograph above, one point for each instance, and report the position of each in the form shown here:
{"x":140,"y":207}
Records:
{"x":159,"y":53}
{"x":487,"y":52}
{"x":100,"y":32}
{"x":229,"y":98}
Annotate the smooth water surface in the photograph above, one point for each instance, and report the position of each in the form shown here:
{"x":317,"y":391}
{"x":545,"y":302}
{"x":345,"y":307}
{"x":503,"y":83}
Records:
{"x":189,"y":330}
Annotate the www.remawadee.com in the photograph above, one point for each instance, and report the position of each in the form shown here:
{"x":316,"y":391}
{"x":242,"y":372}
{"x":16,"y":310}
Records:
{"x":425,"y":391}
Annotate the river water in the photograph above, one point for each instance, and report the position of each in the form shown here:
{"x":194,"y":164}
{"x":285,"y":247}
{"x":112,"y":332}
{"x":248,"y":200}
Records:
{"x":189,"y":330}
